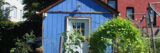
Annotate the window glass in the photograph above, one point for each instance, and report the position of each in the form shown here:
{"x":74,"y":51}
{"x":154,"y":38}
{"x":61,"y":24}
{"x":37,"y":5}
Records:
{"x":153,"y":16}
{"x":79,"y":26}
{"x":112,"y":3}
{"x":148,"y":20}
{"x":15,"y":12}
{"x":130,"y":12}
{"x":7,"y":9}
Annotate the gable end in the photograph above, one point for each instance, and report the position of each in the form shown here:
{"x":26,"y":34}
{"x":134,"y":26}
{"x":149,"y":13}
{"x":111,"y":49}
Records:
{"x":115,"y":12}
{"x":50,"y":6}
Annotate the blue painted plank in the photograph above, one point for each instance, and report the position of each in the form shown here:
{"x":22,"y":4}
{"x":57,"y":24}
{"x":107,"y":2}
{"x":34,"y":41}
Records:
{"x":86,"y":5}
{"x":50,"y":29}
{"x":45,"y":34}
{"x":58,"y":31}
{"x":53,"y":39}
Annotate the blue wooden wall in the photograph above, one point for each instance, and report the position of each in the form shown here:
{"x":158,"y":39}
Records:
{"x":54,"y":23}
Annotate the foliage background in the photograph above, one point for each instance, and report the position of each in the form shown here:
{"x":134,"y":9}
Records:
{"x":10,"y":31}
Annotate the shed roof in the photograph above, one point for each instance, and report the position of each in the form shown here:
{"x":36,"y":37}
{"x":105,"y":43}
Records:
{"x":104,"y":5}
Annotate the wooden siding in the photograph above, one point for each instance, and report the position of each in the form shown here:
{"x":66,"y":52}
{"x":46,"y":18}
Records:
{"x":55,"y":23}
{"x":71,"y":5}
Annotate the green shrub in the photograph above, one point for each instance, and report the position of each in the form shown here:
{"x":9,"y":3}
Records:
{"x":22,"y":45}
{"x":121,"y":34}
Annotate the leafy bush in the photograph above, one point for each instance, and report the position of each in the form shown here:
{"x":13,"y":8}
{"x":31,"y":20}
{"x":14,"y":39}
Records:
{"x":121,"y":35}
{"x":22,"y":45}
{"x":73,"y":39}
{"x":8,"y":33}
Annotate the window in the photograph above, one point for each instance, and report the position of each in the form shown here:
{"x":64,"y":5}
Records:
{"x":148,"y":20}
{"x":112,"y":3}
{"x":14,"y":12}
{"x":7,"y":9}
{"x":82,"y":25}
{"x":21,"y":14}
{"x":130,"y":12}
{"x":153,"y":16}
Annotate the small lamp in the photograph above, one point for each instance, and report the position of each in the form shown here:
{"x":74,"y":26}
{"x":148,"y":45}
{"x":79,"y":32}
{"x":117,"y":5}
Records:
{"x":79,"y":7}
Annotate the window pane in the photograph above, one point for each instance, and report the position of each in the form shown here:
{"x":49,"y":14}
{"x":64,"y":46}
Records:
{"x":79,"y":26}
{"x":152,"y":13}
{"x":153,"y":16}
{"x":7,"y":10}
{"x":15,"y":12}
{"x":112,"y":3}
{"x":148,"y":20}
{"x":130,"y":13}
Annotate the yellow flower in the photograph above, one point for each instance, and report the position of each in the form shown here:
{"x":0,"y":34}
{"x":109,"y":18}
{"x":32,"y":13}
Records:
{"x":80,"y":29}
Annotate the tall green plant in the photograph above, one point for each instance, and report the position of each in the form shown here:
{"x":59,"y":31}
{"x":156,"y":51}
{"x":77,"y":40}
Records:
{"x":121,"y":35}
{"x":73,"y":38}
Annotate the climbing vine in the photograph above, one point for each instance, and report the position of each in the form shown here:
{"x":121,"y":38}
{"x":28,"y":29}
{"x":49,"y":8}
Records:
{"x":121,"y":35}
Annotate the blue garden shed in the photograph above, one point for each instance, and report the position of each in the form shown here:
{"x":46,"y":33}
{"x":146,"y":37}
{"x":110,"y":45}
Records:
{"x":58,"y":18}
